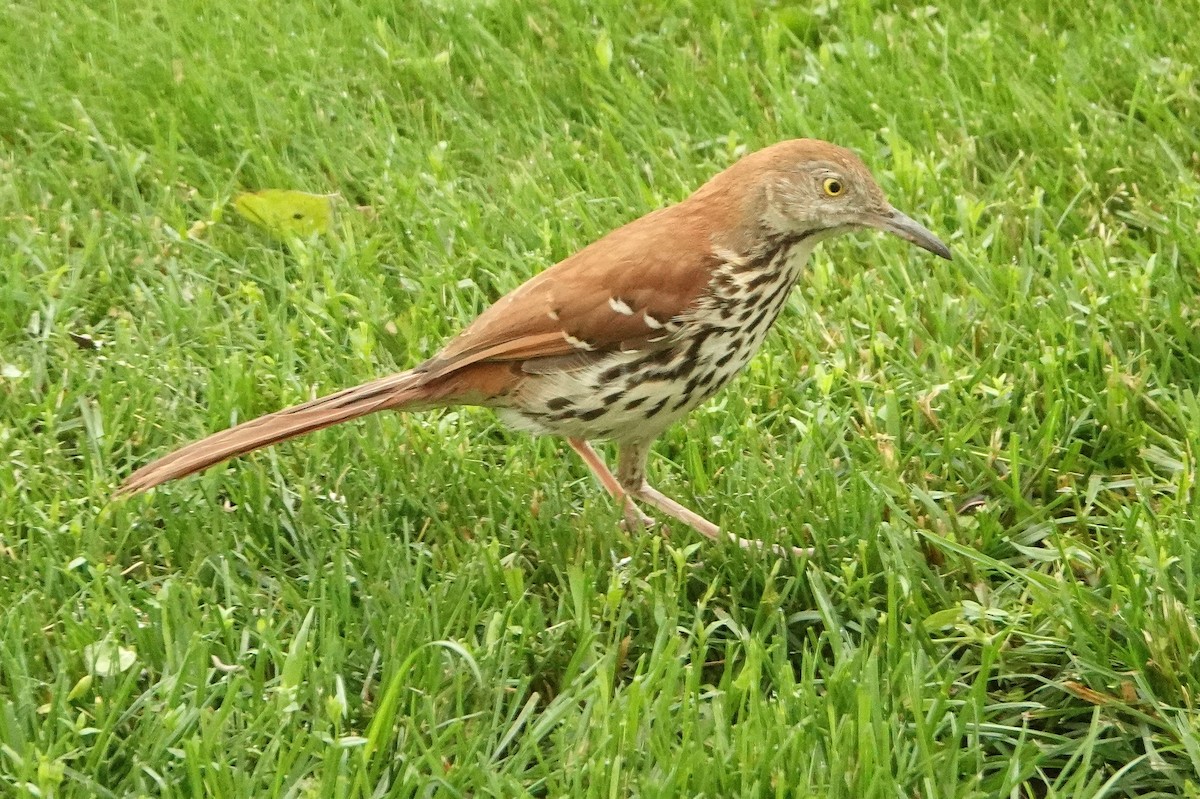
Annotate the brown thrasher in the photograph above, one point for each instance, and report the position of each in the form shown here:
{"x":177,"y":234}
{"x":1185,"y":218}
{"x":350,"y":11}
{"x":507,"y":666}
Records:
{"x":627,"y":335}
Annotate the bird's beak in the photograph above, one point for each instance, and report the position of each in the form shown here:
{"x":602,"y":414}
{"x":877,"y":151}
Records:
{"x":909,"y":229}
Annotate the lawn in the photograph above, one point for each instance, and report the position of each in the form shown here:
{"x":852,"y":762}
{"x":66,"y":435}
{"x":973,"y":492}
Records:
{"x":995,"y":458}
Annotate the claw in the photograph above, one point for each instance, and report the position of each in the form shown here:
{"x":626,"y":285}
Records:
{"x":635,"y":519}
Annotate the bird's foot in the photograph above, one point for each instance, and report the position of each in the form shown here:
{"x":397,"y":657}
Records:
{"x":652,"y":496}
{"x":635,"y":518}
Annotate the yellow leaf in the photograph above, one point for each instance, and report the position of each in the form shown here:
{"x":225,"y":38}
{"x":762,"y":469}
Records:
{"x":82,"y":686}
{"x":287,"y":213}
{"x":604,"y":50}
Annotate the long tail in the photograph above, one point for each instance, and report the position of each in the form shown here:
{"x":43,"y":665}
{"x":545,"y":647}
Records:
{"x":403,"y":390}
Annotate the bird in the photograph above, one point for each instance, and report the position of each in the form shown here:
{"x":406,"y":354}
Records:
{"x":626,"y":336}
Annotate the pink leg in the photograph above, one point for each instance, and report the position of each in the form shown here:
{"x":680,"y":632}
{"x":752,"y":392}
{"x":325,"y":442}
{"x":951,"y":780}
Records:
{"x":652,"y":496}
{"x":631,"y":471}
{"x":634,"y":518}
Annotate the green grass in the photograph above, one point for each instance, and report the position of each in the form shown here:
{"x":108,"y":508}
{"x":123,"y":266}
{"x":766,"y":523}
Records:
{"x":994,"y":458}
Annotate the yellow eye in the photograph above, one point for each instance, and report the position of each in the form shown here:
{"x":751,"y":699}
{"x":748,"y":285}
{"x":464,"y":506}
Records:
{"x":833,"y":187}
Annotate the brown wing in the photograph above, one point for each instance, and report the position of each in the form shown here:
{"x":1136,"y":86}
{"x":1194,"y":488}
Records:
{"x":621,"y":292}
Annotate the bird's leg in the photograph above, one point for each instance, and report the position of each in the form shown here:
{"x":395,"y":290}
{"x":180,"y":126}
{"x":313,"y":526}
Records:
{"x":634,"y":518}
{"x":652,"y":496}
{"x":631,"y":474}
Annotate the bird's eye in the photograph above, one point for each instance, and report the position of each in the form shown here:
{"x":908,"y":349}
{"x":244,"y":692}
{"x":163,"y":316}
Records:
{"x":833,"y":187}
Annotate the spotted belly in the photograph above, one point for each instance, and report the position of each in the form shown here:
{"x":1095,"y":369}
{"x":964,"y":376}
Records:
{"x":634,"y":396}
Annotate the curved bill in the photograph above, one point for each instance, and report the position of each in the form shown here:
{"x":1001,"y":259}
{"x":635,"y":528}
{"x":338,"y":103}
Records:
{"x":911,"y":230}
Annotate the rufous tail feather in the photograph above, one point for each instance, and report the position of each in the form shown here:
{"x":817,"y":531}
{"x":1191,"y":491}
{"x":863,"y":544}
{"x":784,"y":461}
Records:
{"x":406,"y":390}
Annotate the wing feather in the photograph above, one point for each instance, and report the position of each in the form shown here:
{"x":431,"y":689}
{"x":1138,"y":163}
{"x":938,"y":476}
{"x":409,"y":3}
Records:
{"x":623,"y":291}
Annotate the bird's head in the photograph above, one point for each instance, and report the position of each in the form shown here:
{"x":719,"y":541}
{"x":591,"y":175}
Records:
{"x":812,"y":190}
